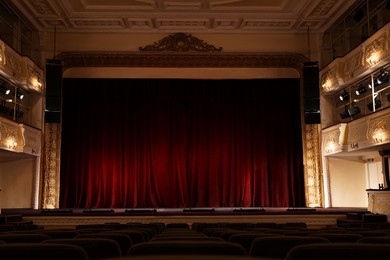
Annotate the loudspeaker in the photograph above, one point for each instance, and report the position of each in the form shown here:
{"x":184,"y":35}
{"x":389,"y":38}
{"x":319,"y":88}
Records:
{"x":53,"y":91}
{"x":311,"y":93}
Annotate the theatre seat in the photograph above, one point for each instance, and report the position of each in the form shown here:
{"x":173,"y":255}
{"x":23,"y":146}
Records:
{"x":23,"y":238}
{"x":328,"y":251}
{"x":186,"y":248}
{"x":123,"y":240}
{"x":279,"y":246}
{"x":96,"y":248}
{"x":41,"y":251}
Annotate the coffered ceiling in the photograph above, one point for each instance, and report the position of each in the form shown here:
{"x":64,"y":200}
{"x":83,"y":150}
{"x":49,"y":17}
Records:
{"x":214,"y":16}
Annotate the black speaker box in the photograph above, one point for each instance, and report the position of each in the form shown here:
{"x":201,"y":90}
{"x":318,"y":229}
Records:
{"x":311,"y":93}
{"x":53,"y":91}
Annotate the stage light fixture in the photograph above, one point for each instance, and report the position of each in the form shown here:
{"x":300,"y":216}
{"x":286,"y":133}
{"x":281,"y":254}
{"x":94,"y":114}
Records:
{"x":344,"y":96}
{"x":5,"y":89}
{"x":19,"y":94}
{"x":360,"y":90}
{"x":354,"y":110}
{"x":344,"y":114}
{"x":382,"y":77}
{"x":378,"y":104}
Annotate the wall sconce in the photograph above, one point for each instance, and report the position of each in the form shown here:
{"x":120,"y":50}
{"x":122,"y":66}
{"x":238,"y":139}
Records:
{"x":378,"y":104}
{"x":360,"y":90}
{"x":344,"y":96}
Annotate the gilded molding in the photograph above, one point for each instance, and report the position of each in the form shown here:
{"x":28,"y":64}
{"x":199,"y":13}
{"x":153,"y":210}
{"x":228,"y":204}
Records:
{"x":9,"y":135}
{"x":312,"y":162}
{"x":20,"y":70}
{"x":334,"y":139}
{"x":51,"y":167}
{"x":364,"y":132}
{"x":31,"y":140}
{"x":369,"y":56}
{"x":19,"y":138}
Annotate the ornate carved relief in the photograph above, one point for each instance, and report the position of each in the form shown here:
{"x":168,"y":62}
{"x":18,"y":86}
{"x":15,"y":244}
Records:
{"x":312,"y":163}
{"x":369,"y":56}
{"x":9,"y":135}
{"x":378,"y":130}
{"x":32,"y":140}
{"x":357,"y":135}
{"x":50,"y":182}
{"x":364,"y":132}
{"x":334,"y":139}
{"x":181,"y":42}
{"x":20,"y":69}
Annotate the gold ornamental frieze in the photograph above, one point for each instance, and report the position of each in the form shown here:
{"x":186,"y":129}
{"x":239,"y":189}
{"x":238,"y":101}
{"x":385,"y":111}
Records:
{"x":379,"y":129}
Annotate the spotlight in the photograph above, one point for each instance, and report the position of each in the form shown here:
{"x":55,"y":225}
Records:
{"x":354,"y":110}
{"x":360,"y":90}
{"x":378,"y":104}
{"x":344,"y":114}
{"x":344,"y":96}
{"x":382,"y":77}
{"x":19,"y":94}
{"x":5,"y":90}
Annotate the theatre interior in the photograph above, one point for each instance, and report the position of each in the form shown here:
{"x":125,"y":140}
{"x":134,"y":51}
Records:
{"x":194,"y":129}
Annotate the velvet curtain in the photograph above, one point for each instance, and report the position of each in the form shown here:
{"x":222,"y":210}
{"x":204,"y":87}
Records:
{"x":135,"y":143}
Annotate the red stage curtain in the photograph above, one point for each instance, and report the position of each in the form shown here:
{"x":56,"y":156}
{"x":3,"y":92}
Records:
{"x":181,"y":143}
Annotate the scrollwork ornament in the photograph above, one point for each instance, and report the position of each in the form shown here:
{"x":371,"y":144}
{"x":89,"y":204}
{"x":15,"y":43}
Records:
{"x":181,"y":42}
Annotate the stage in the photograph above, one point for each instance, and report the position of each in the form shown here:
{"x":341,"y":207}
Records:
{"x":69,"y":218}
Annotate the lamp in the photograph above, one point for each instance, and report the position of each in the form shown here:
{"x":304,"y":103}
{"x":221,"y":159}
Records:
{"x":344,"y":96}
{"x":360,"y":90}
{"x":378,"y":104}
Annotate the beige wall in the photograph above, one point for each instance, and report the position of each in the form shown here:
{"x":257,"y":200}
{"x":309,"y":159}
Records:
{"x":347,"y":183}
{"x":16,"y":183}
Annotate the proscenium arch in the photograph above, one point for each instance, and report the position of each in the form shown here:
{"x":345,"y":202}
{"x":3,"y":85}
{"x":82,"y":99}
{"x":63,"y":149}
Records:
{"x":231,"y":65}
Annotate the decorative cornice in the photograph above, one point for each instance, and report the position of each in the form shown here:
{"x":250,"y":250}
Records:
{"x":182,"y":59}
{"x":181,"y":42}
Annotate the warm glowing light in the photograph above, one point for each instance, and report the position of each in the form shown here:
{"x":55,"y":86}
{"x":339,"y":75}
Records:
{"x":330,"y":147}
{"x":378,"y":137}
{"x":35,"y":82}
{"x":373,"y":58}
{"x":11,"y":143}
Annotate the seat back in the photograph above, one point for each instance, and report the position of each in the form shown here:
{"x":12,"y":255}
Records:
{"x":95,"y":247}
{"x":278,"y":246}
{"x":42,"y":251}
{"x":339,"y":250}
{"x":23,"y":237}
{"x":186,"y":248}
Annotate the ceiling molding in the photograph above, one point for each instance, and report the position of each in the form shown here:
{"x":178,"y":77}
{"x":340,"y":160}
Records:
{"x":214,"y":16}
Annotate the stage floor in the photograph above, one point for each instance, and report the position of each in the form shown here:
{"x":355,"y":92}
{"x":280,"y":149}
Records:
{"x":69,"y":218}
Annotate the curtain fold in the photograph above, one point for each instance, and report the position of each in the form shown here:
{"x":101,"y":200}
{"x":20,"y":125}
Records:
{"x":136,"y":143}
